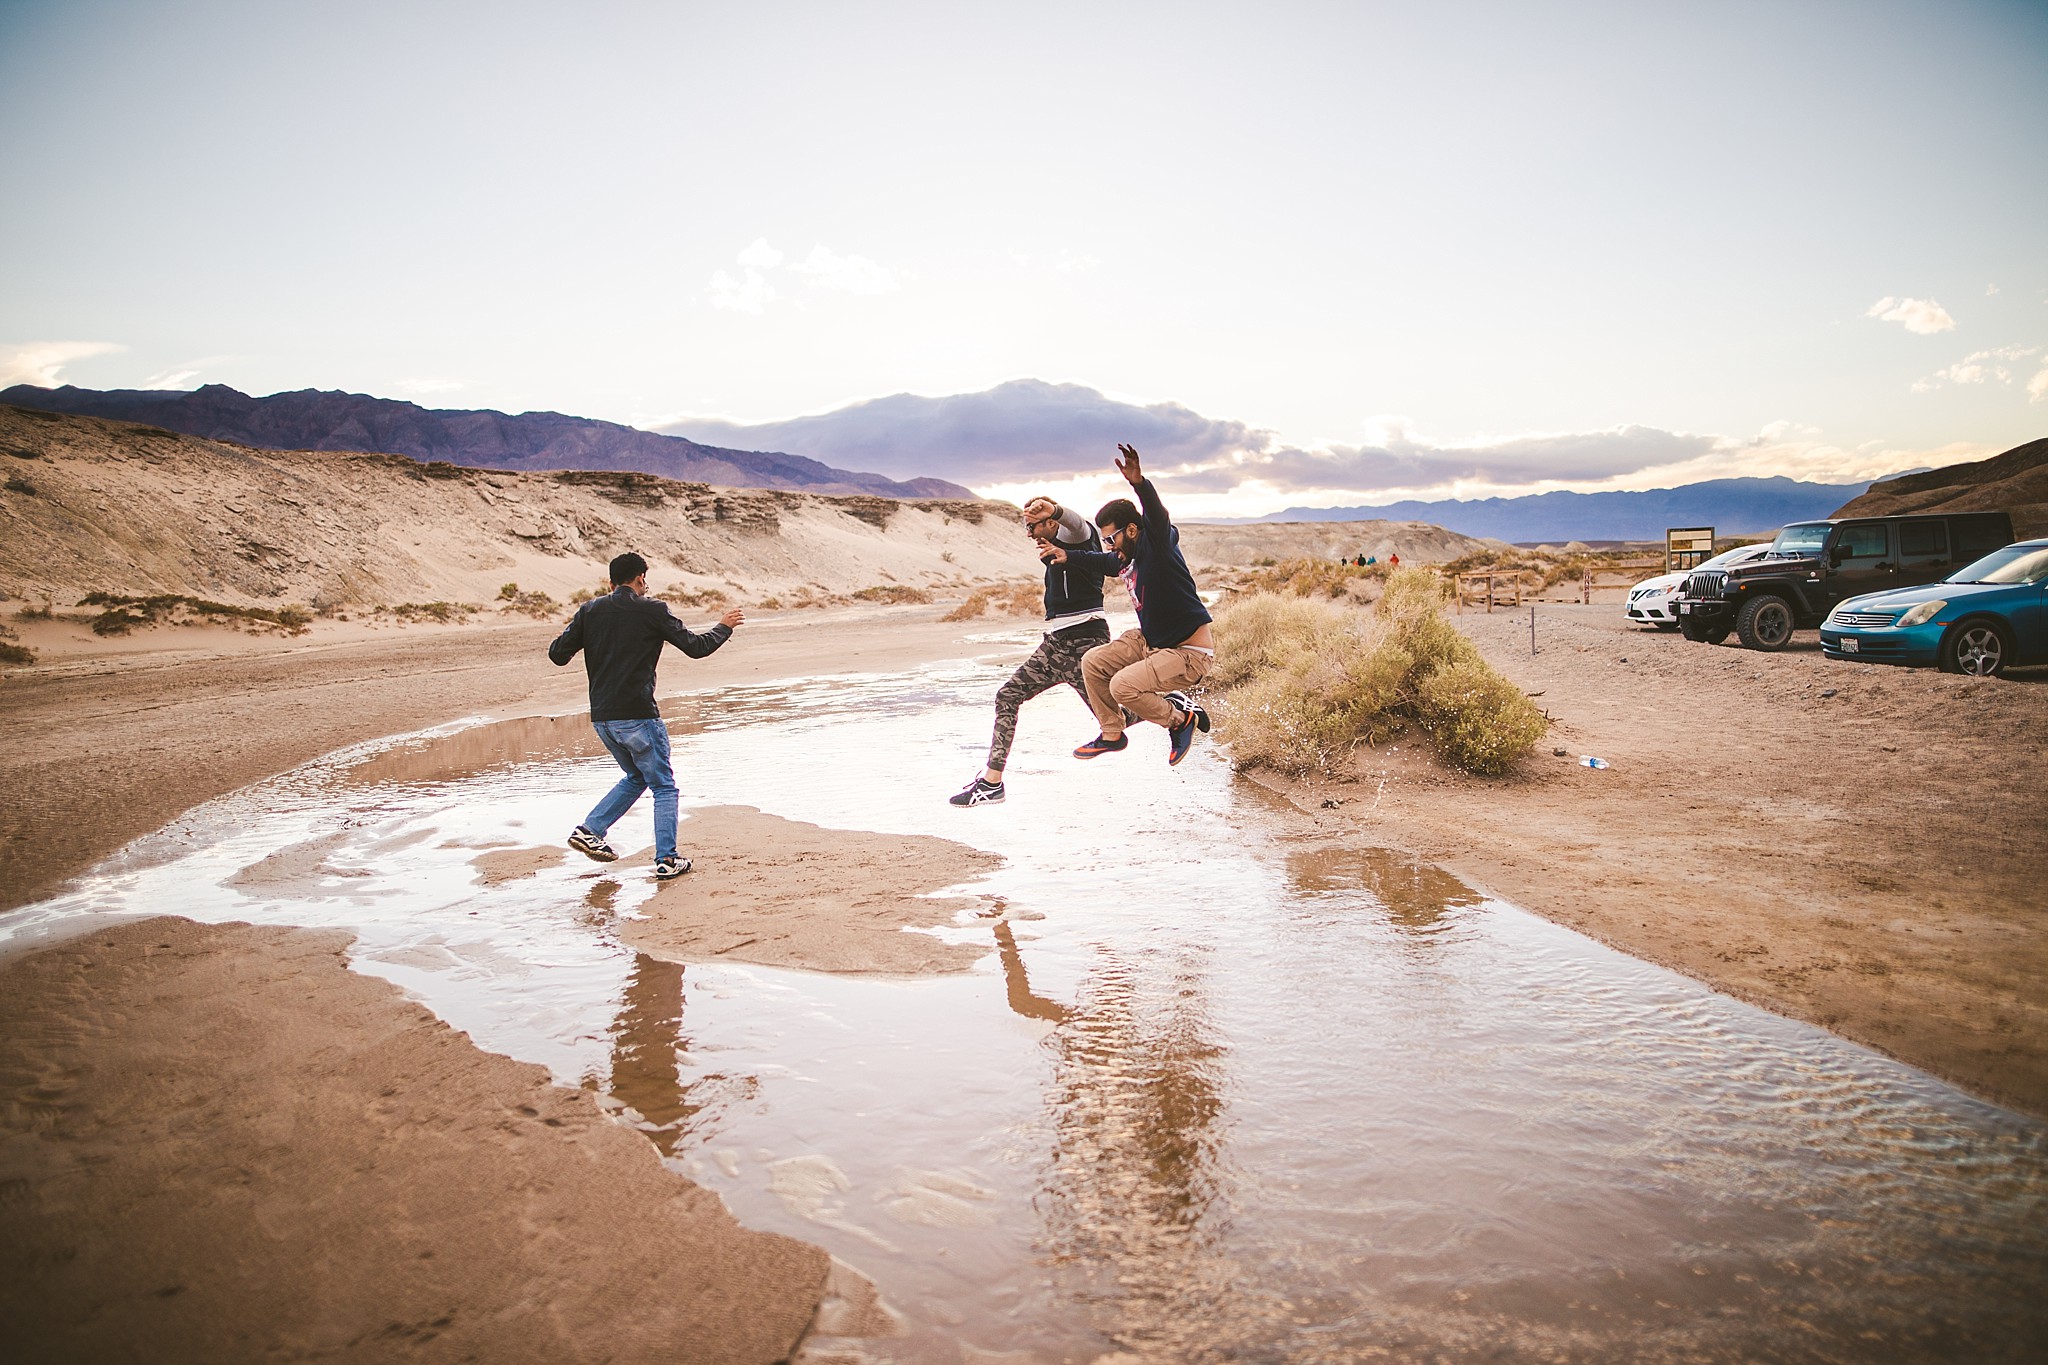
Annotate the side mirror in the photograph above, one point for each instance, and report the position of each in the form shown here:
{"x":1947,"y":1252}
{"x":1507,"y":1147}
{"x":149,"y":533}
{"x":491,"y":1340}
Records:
{"x":1835,"y":556}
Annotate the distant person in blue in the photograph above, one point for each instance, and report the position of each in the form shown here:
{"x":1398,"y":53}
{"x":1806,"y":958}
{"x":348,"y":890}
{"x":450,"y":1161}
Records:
{"x":620,"y":636}
{"x":1145,"y":670}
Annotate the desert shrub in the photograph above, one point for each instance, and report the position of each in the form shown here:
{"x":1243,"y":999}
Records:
{"x":1477,"y":719}
{"x":1005,"y":599}
{"x":1309,"y":680}
{"x":16,"y":654}
{"x":771,"y":604}
{"x":894,"y":594}
{"x":442,"y":613}
{"x":536,"y":603}
{"x":122,"y":614}
{"x":1307,"y":577}
{"x":695,"y":597}
{"x":43,"y":613}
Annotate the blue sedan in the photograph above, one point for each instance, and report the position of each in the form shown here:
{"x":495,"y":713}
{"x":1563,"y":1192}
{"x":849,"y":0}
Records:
{"x":1982,"y":619}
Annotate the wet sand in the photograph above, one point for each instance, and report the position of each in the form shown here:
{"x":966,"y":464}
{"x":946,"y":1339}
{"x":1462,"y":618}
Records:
{"x":222,"y":1144}
{"x":1856,"y":846}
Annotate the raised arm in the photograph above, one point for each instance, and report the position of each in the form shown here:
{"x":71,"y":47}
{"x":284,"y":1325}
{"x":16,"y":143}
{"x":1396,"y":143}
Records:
{"x":565,"y":646}
{"x":1158,"y":526}
{"x":693,"y":643}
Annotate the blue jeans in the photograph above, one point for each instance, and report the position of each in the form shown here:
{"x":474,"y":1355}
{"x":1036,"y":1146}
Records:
{"x":641,"y":747}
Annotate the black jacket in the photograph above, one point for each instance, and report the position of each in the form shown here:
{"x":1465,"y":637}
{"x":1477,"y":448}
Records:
{"x":1161,"y":587}
{"x":1072,"y":589}
{"x":621,"y":635}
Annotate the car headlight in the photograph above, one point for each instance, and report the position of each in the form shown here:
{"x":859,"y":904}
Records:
{"x":1922,"y":614}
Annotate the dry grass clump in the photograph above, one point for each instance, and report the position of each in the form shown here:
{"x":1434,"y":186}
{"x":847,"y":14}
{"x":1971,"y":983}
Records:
{"x":1309,"y":577}
{"x":1004,"y":599}
{"x":123,"y":614}
{"x":11,"y":653}
{"x":535,"y":603}
{"x":1310,"y":680}
{"x":440,"y":613}
{"x":695,"y":597}
{"x":894,"y":594}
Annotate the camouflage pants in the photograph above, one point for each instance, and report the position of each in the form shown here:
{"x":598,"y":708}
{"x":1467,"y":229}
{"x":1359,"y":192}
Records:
{"x":1056,"y":660}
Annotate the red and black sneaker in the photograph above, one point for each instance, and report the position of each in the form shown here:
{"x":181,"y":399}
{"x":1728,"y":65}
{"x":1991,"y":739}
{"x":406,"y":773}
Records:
{"x":1098,"y":746}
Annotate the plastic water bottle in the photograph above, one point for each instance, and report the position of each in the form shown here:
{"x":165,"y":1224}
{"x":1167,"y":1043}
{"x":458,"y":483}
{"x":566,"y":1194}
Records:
{"x":1591,"y":762}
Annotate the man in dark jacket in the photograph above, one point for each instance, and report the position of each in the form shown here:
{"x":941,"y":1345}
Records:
{"x":1143,"y":671}
{"x":620,"y":636}
{"x":1074,"y":624}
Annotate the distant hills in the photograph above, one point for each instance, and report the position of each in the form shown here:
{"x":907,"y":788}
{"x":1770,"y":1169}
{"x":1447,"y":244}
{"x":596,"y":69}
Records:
{"x":1730,"y":506}
{"x":2015,"y":482}
{"x":314,"y":419}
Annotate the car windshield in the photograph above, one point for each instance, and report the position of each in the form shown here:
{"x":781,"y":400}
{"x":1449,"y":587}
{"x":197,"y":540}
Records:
{"x":2013,"y":564}
{"x":1804,"y":539}
{"x":1734,"y":556}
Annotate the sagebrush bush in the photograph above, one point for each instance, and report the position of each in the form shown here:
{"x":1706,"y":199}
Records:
{"x":1310,"y":577}
{"x":1310,"y":679}
{"x":1476,"y":718}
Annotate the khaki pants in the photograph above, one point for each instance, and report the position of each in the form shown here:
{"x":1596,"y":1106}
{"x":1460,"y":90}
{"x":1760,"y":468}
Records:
{"x":1128,"y":673}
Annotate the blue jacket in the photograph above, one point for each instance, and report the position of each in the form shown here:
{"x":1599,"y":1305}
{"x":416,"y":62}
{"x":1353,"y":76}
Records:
{"x":1161,"y":587}
{"x":621,"y":635}
{"x":1072,"y":590}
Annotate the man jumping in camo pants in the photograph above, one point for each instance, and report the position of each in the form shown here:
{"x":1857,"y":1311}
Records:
{"x":1074,"y":624}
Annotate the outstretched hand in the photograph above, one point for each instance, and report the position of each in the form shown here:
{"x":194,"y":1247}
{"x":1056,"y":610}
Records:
{"x":1127,"y":465}
{"x":1051,"y":551}
{"x":732,"y":618}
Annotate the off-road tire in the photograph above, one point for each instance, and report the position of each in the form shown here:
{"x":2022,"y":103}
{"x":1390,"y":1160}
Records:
{"x":1702,"y":635}
{"x":1978,"y":647}
{"x":1766,"y":623}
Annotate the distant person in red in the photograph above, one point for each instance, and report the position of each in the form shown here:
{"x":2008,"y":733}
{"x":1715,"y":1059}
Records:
{"x":620,"y":636}
{"x":1394,"y":561}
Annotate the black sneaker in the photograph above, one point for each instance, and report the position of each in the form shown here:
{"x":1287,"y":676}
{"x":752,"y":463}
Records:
{"x":1098,"y":746}
{"x":670,"y":868}
{"x":592,"y":846}
{"x":1183,"y":737}
{"x":979,"y":792}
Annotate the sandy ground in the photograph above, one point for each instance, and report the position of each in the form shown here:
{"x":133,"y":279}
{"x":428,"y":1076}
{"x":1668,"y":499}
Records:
{"x":320,"y":1169}
{"x":1855,"y":845}
{"x":1869,"y":860}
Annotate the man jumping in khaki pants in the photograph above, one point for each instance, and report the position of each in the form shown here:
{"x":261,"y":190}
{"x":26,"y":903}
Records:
{"x":1144,"y":670}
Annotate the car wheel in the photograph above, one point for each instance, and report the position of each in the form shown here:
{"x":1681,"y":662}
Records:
{"x":1975,"y":647}
{"x":1765,"y":623}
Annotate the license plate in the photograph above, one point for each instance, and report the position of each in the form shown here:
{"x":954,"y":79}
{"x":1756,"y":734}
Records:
{"x":1849,"y":646}
{"x":1685,"y":608}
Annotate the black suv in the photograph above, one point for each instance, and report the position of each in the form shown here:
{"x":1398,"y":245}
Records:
{"x":1814,"y":564}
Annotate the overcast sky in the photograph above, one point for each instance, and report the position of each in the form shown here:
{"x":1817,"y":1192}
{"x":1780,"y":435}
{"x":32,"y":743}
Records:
{"x":1345,"y":251}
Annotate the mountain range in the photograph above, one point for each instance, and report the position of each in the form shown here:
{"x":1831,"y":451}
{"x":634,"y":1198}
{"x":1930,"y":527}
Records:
{"x":1730,"y":506}
{"x":314,"y":419}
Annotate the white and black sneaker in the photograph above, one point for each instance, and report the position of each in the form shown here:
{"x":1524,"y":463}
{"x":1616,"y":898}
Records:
{"x":670,"y":868}
{"x":979,"y":792}
{"x":1187,"y":707}
{"x":592,"y":846}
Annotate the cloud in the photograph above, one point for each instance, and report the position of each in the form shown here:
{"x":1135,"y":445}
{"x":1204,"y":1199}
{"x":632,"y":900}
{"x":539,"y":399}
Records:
{"x":849,"y":274}
{"x":1979,"y":367}
{"x":751,"y":290}
{"x":2037,"y":387}
{"x":1922,"y":316}
{"x":170,"y":379}
{"x":41,"y":362}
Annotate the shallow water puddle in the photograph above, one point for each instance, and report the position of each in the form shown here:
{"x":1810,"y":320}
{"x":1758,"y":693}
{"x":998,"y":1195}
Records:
{"x":1221,"y":1087}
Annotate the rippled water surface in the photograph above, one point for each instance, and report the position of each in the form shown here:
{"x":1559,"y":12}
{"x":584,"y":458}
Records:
{"x":1226,"y":1086}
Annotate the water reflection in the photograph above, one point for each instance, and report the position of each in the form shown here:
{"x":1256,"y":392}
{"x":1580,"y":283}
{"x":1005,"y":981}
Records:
{"x":647,"y":1063}
{"x":1017,"y":983}
{"x":1134,"y":1185}
{"x":1418,"y":896}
